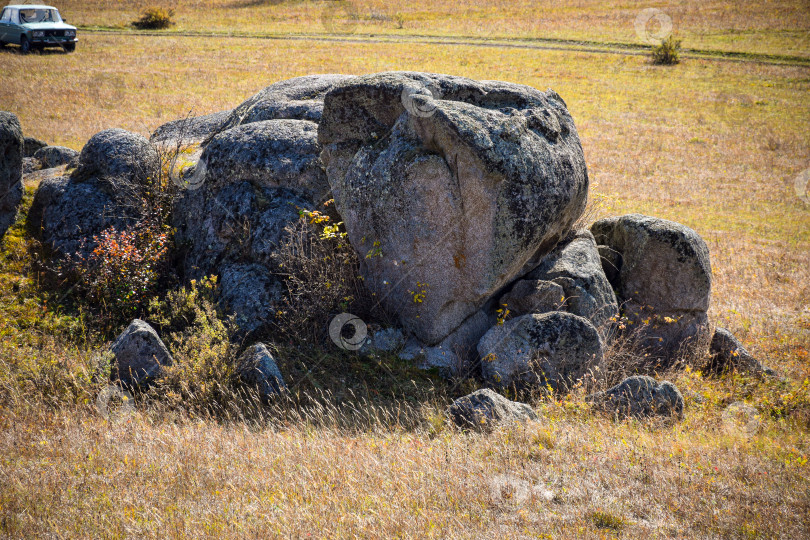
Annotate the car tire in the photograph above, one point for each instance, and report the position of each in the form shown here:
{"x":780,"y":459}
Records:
{"x":25,"y":45}
{"x":70,"y":47}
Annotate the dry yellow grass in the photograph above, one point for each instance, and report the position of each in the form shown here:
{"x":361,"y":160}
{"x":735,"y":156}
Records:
{"x":781,"y":27}
{"x":715,"y":145}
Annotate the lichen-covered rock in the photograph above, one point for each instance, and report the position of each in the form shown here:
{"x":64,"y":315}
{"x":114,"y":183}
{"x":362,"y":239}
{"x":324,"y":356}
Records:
{"x":68,"y":211}
{"x":533,"y":296}
{"x":485,"y":409}
{"x":31,"y":145}
{"x":449,"y":188}
{"x":30,"y":165}
{"x":640,"y":396}
{"x":140,"y":355}
{"x":54,"y":156}
{"x":66,"y":215}
{"x":118,"y":157}
{"x":300,"y":98}
{"x":557,"y":348}
{"x":250,"y":292}
{"x":726,"y":352}
{"x":191,"y":130}
{"x":661,"y":273}
{"x":257,"y":368}
{"x":455,"y":355}
{"x":570,"y":278}
{"x":272,"y":153}
{"x":236,"y":222}
{"x":11,"y":156}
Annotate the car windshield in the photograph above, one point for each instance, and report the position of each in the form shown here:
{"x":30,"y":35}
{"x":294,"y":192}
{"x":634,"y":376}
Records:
{"x":39,"y":15}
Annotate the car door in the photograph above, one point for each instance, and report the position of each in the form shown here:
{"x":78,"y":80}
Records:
{"x":4,"y":24}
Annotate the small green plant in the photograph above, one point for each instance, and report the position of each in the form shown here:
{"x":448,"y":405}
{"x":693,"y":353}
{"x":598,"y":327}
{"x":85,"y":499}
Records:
{"x":667,"y":53}
{"x":399,"y":20}
{"x":155,"y":18}
{"x":606,"y":520}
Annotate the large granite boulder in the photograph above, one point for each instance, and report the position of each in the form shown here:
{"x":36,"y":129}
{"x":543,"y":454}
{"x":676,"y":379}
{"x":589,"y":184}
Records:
{"x":484,"y":409}
{"x":662,"y":276}
{"x":68,"y":211}
{"x":11,"y":159}
{"x":449,"y":188}
{"x":272,"y":153}
{"x":299,"y":98}
{"x":640,"y":396}
{"x":570,"y":278}
{"x":54,"y":156}
{"x":140,"y":355}
{"x":120,"y":158}
{"x":556,"y":348}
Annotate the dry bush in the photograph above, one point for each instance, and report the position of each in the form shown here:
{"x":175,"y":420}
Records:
{"x":155,"y":18}
{"x":667,"y":53}
{"x":322,"y":273}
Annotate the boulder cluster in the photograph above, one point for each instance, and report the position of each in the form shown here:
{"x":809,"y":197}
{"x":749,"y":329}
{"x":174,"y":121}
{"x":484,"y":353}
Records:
{"x":463,"y":200}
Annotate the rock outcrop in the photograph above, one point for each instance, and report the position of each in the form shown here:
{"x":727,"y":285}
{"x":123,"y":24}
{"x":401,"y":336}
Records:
{"x":640,"y":396}
{"x":662,"y":276}
{"x":256,"y":170}
{"x":11,"y":156}
{"x":484,"y":409}
{"x":556,"y":348}
{"x":68,"y":211}
{"x":140,"y":355}
{"x":449,"y":188}
{"x":570,"y":278}
{"x":271,"y":153}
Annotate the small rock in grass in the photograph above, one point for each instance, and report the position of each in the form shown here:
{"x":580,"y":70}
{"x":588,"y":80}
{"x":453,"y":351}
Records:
{"x":640,"y":396}
{"x":140,"y":355}
{"x":483,"y":409}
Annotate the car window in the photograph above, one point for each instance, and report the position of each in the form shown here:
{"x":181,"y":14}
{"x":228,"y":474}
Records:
{"x":6,"y":16}
{"x":39,"y":15}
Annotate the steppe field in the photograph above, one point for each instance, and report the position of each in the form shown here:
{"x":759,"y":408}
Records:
{"x":719,"y":142}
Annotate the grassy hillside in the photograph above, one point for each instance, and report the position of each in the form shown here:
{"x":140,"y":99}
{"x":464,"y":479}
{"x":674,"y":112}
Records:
{"x":364,"y":448}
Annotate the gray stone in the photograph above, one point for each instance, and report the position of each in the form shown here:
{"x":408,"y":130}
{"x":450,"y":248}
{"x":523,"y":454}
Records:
{"x":383,"y":340}
{"x":661,"y":273}
{"x":118,"y":157}
{"x":300,"y":98}
{"x":11,"y":165}
{"x":67,"y":214}
{"x":191,"y":130}
{"x":576,"y":268}
{"x":726,"y":353}
{"x":485,"y":409}
{"x":55,"y":156}
{"x":68,"y":211}
{"x":31,"y":145}
{"x":273,"y":153}
{"x":257,"y":368}
{"x":456,"y":354}
{"x":251,"y":293}
{"x":30,"y":165}
{"x":449,"y":188}
{"x":140,"y":355}
{"x":533,"y":296}
{"x":238,"y":222}
{"x":640,"y":396}
{"x":557,"y":348}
